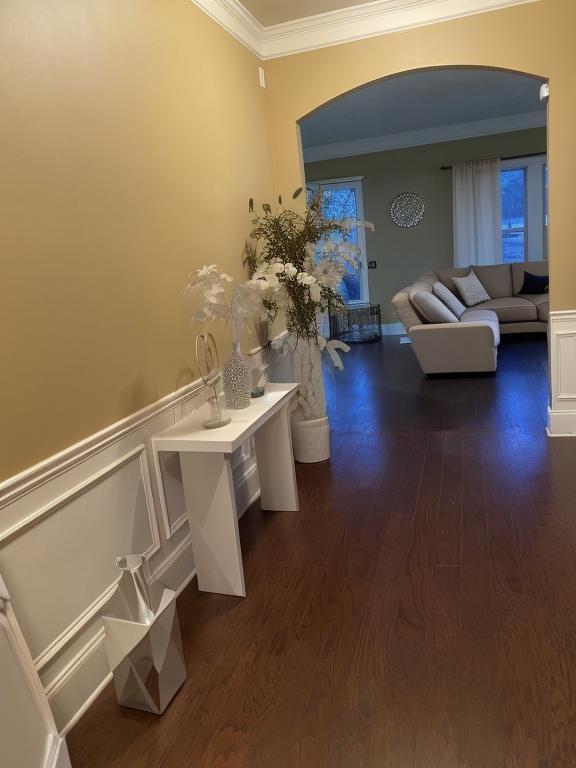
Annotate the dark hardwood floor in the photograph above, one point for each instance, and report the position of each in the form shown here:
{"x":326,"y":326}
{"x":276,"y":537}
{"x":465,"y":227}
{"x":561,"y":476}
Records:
{"x":418,"y":612}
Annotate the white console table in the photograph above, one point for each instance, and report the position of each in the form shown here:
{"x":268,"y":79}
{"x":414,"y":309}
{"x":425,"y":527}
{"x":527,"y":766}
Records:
{"x":205,"y":460}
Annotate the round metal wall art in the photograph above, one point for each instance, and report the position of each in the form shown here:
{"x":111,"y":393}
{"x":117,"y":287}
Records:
{"x":407,"y":209}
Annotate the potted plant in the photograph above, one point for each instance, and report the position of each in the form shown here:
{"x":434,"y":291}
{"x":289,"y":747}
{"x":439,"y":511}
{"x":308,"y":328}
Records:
{"x":297,"y":262}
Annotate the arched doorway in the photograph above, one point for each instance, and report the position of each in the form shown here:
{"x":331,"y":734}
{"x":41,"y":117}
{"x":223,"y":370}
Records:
{"x":403,"y":133}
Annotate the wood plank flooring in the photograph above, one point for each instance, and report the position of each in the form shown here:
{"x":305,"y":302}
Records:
{"x":418,"y":612}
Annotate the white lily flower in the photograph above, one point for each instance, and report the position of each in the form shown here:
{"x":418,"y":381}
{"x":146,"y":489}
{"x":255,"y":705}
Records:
{"x":315,"y":292}
{"x":277,"y":268}
{"x":272,"y":280}
{"x":304,"y":278}
{"x":290,"y":270}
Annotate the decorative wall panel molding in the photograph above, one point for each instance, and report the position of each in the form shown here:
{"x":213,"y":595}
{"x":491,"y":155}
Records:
{"x":562,"y":343}
{"x":65,"y":520}
{"x":372,"y":19}
{"x":28,"y":733}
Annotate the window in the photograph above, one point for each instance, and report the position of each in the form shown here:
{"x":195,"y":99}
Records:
{"x":513,"y":191}
{"x":342,"y":198}
{"x":524,"y":192}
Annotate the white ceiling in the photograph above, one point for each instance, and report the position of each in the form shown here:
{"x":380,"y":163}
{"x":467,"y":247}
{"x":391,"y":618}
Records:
{"x":422,"y":101}
{"x":269,"y":12}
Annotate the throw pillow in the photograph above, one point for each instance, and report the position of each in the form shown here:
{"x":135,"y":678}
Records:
{"x":471,"y":289}
{"x":431,"y":308}
{"x":447,"y":297}
{"x":534,"y":284}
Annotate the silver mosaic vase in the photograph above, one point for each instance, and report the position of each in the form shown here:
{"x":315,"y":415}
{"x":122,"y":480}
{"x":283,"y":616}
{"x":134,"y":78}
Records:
{"x":236,"y":375}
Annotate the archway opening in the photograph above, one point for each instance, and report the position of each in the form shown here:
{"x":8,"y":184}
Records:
{"x":450,"y":164}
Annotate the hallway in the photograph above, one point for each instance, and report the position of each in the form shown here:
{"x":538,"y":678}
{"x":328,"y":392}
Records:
{"x":418,"y":612}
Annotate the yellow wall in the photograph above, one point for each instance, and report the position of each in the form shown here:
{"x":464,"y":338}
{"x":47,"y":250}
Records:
{"x":132,"y":135}
{"x":537,"y":38}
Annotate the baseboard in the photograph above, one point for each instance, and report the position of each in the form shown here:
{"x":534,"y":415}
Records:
{"x":562,"y":344}
{"x":561,"y":423}
{"x":393,"y":329}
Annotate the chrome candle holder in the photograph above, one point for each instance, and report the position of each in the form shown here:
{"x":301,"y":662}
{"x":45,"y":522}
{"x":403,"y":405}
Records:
{"x":208,"y":365}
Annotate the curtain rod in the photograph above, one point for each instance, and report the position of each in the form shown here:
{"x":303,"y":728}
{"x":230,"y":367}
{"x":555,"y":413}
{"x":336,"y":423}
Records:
{"x":511,"y":157}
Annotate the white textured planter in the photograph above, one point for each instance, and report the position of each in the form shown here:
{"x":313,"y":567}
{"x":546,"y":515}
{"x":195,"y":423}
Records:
{"x":311,"y":440}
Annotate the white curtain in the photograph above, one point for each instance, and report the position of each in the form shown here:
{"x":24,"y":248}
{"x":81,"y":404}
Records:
{"x":477,"y":213}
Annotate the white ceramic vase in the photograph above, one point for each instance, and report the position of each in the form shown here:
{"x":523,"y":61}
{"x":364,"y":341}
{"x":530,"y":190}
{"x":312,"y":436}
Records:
{"x":310,"y":427}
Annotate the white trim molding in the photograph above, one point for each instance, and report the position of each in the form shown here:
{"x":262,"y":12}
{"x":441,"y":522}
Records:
{"x":562,"y":342}
{"x":34,"y":477}
{"x":425,"y":136}
{"x":380,"y":17}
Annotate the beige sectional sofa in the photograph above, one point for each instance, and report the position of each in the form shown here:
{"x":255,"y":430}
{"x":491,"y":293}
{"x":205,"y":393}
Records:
{"x":471,"y":344}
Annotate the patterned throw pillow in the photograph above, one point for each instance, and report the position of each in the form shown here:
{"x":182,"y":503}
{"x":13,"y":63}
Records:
{"x":471,"y":289}
{"x":452,"y":302}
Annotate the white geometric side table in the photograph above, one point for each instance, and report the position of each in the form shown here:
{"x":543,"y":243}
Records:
{"x":206,"y":464}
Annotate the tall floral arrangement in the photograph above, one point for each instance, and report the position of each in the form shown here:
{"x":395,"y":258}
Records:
{"x":297,"y":263}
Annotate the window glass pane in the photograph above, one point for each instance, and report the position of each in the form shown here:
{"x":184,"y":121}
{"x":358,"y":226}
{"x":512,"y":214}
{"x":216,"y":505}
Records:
{"x":340,"y":203}
{"x":513,"y":189}
{"x":513,"y":246}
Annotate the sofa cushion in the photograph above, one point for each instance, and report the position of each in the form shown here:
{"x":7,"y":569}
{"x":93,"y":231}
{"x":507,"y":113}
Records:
{"x":404,"y":309}
{"x":496,"y":278}
{"x":471,"y":289}
{"x":483,"y":316}
{"x":512,"y":309}
{"x":542,"y":303}
{"x":518,"y":269}
{"x":447,"y":297}
{"x":446,"y":276}
{"x":534,"y":284}
{"x":431,"y":308}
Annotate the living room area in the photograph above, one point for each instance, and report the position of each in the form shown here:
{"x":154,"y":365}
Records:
{"x":451,"y":167}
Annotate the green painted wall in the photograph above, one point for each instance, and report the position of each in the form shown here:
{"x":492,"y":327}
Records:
{"x":404,"y":254}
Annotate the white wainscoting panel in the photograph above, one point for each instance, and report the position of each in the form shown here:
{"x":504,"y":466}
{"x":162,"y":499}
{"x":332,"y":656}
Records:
{"x":562,"y":344}
{"x":64,"y":522}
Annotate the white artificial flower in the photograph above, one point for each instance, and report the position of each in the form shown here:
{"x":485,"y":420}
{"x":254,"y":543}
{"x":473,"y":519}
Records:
{"x":259,"y":284}
{"x":277,"y":268}
{"x":215,"y":295}
{"x":329,"y":273}
{"x":310,"y":249}
{"x":272,"y":280}
{"x":315,"y":292}
{"x":290,"y":270}
{"x":305,"y":278}
{"x":228,"y":278}
{"x":211,"y":269}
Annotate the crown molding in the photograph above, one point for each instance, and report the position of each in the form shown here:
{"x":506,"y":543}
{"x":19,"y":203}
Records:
{"x":379,"y":17}
{"x":236,"y":20}
{"x":425,"y":136}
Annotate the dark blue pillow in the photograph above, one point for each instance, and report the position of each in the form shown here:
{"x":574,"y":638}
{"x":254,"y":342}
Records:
{"x":535,"y":283}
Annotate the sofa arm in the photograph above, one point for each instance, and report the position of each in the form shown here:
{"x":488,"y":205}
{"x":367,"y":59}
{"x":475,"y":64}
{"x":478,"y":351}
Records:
{"x":455,"y":347}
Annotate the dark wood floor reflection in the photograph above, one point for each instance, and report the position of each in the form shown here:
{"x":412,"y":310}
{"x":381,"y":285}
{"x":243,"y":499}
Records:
{"x":418,"y":612}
